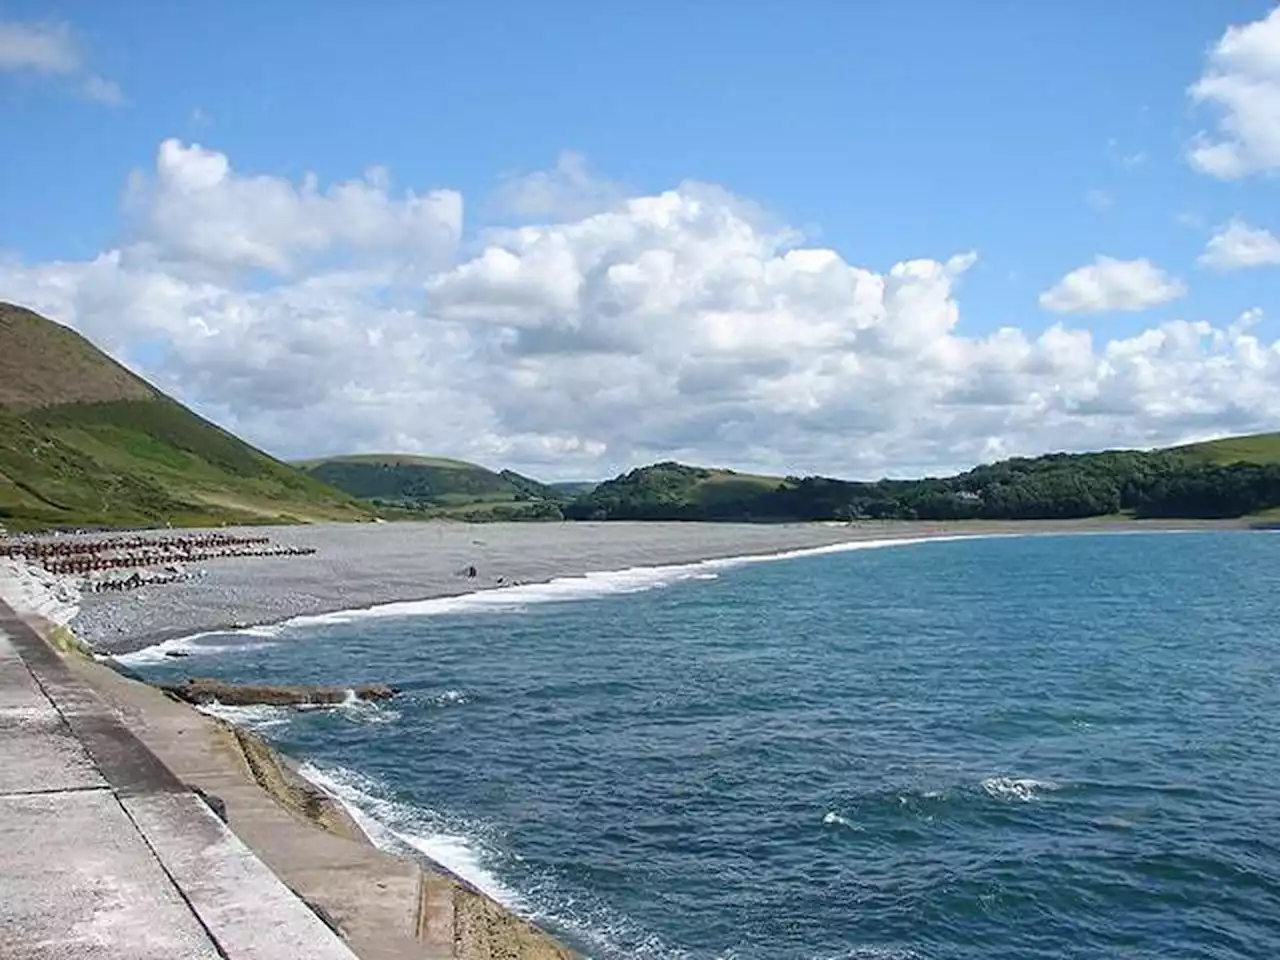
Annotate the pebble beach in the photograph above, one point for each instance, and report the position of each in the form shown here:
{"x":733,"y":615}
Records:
{"x":362,"y":565}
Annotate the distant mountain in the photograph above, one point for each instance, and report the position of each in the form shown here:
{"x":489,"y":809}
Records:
{"x":531,"y":487}
{"x":1235,"y":477}
{"x":573,"y":488}
{"x":401,"y":484}
{"x":86,"y":443}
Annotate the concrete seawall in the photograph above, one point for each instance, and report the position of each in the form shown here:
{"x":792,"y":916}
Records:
{"x":138,"y":827}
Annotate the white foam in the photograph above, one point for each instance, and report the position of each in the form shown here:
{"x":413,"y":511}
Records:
{"x":592,"y":585}
{"x":257,"y":717}
{"x":391,"y":824}
{"x":586,"y":586}
{"x":1023,"y":789}
{"x":450,"y":698}
{"x":356,"y":710}
{"x":834,"y":819}
{"x":190,"y":646}
{"x":262,"y":717}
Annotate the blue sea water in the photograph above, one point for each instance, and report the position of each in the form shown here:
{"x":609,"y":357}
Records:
{"x":1041,"y":747}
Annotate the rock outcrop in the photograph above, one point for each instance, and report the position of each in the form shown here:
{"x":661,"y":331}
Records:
{"x":210,"y":690}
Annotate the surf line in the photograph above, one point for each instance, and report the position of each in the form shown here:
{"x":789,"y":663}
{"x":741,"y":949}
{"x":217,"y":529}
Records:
{"x":584,"y":586}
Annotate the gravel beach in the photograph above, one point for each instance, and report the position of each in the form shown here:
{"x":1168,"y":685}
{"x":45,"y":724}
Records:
{"x":361,"y":565}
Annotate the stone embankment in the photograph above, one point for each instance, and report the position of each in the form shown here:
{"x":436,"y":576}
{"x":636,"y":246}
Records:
{"x":135,"y":826}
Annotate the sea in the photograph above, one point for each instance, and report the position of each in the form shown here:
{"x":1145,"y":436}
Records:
{"x":1015,"y":747}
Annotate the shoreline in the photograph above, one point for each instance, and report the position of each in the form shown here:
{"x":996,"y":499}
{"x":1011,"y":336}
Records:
{"x":384,"y":905}
{"x":155,"y":718}
{"x":367,"y":567}
{"x":562,"y":589}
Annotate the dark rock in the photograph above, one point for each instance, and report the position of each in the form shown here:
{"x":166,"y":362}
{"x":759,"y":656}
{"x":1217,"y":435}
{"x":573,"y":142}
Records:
{"x":210,"y":690}
{"x":213,"y":802}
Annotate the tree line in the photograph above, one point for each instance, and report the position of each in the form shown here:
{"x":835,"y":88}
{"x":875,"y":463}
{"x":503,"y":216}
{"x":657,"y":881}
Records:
{"x":1055,"y":487}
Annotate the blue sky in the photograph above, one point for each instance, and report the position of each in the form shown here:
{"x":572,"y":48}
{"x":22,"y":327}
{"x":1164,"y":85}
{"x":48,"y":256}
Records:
{"x":1039,"y":136}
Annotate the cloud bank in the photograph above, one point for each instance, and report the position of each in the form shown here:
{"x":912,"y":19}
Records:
{"x":618,"y":330}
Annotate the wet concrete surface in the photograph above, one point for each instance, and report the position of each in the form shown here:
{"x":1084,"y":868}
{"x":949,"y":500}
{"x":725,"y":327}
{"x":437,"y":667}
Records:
{"x":105,"y":853}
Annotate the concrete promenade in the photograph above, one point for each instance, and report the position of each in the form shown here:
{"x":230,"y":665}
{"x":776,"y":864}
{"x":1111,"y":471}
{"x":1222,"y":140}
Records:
{"x":105,"y":853}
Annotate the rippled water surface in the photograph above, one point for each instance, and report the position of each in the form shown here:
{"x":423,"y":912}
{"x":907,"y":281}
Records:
{"x":1040,"y":747}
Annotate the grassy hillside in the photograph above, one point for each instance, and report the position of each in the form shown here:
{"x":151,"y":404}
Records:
{"x":86,"y":443}
{"x":674,"y":491}
{"x":568,"y":489}
{"x":1226,"y":478}
{"x":1258,"y":448}
{"x":44,"y":364}
{"x":404,"y":485}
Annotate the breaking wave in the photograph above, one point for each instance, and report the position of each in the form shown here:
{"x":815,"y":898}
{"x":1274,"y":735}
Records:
{"x":208,"y":643}
{"x":252,"y":718}
{"x":587,"y":586}
{"x":401,"y":827}
{"x":460,"y":849}
{"x":1022,"y":789}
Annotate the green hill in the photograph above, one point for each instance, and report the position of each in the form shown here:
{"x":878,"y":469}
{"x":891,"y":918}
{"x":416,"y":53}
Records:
{"x":1258,"y":448}
{"x":86,"y":443}
{"x":1228,"y":478}
{"x":400,"y":484}
{"x":568,"y":489}
{"x":674,"y":491}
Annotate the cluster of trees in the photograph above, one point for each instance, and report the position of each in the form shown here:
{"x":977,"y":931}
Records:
{"x":406,"y":482}
{"x":1059,"y":486}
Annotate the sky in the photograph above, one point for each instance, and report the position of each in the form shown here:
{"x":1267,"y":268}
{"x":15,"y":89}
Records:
{"x":858,"y":239}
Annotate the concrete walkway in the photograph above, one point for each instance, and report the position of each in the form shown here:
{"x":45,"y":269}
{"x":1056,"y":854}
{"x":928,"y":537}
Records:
{"x":105,"y":853}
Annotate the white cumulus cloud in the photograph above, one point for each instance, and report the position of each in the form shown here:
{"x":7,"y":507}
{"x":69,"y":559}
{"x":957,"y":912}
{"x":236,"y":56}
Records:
{"x":1109,"y":284}
{"x":196,"y":210}
{"x":682,"y":324}
{"x":568,"y":191}
{"x":1238,"y":245}
{"x":1241,"y":84}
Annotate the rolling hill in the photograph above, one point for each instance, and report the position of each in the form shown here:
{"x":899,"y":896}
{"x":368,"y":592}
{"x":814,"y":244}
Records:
{"x":1234,"y":477}
{"x":674,"y":491}
{"x":86,"y":443}
{"x":404,"y":485}
{"x":1257,"y":448}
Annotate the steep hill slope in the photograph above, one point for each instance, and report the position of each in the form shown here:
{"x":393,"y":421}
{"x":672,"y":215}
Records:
{"x":43,"y":364}
{"x":85,"y":442}
{"x":436,"y":486}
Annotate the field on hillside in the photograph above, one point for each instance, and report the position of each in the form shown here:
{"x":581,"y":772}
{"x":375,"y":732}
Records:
{"x":1259,"y":448}
{"x":84,"y":442}
{"x":142,"y":463}
{"x":403,"y":487}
